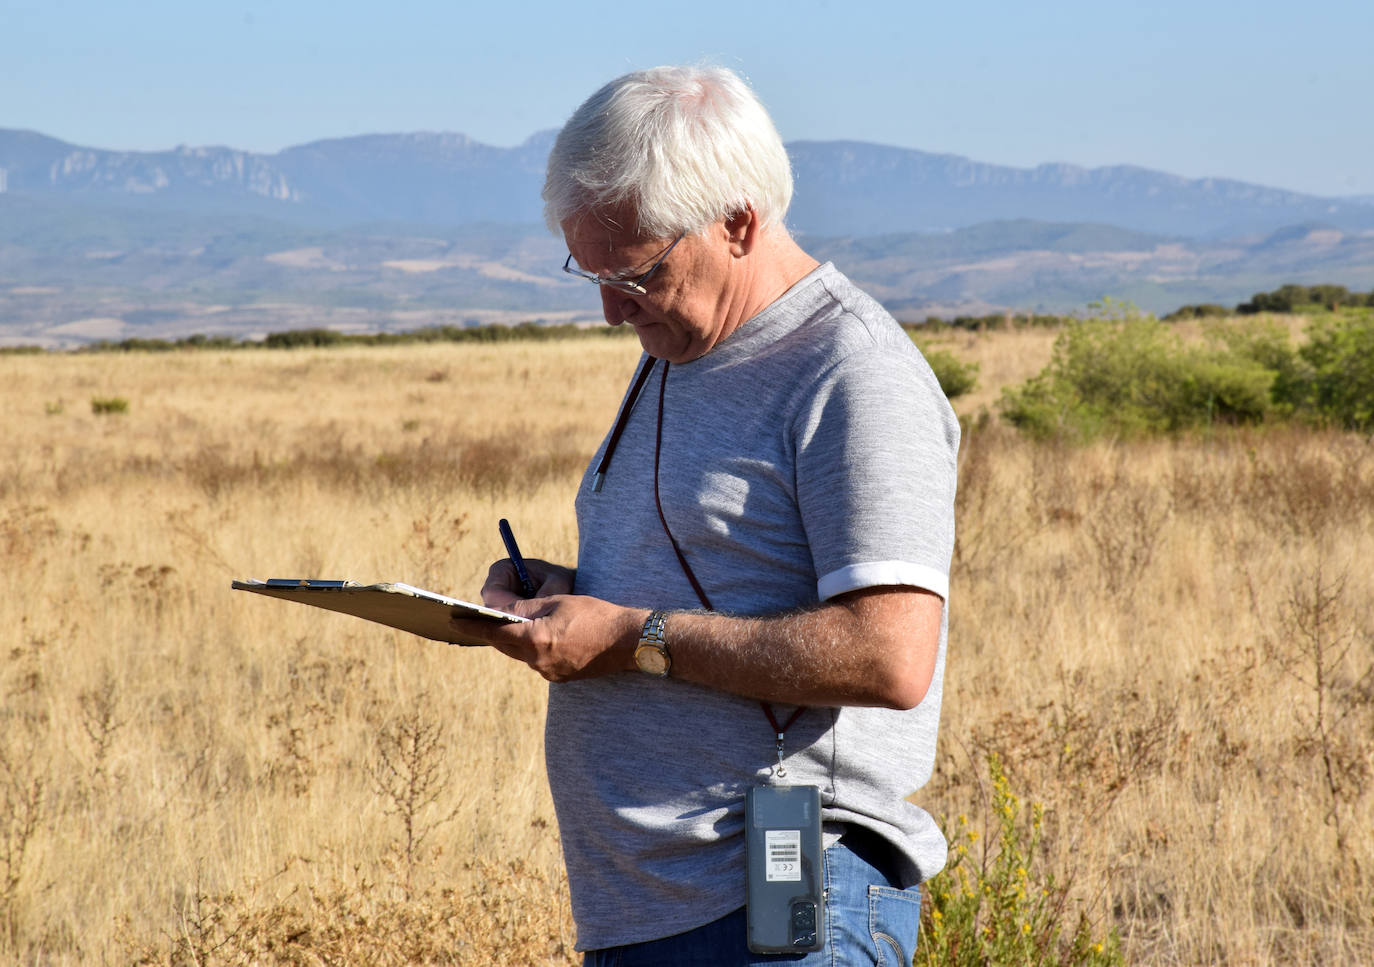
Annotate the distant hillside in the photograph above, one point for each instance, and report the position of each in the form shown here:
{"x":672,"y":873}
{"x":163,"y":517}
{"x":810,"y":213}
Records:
{"x":388,"y":232}
{"x":851,"y":188}
{"x":70,"y":277}
{"x":442,"y":179}
{"x":432,"y":179}
{"x":843,"y":187}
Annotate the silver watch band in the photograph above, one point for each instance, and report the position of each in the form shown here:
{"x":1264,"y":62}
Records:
{"x":651,"y":655}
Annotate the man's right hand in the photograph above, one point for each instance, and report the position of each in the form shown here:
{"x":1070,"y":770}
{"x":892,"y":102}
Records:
{"x":502,"y":587}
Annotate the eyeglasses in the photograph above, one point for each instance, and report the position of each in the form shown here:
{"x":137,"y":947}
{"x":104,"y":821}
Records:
{"x":635,"y":285}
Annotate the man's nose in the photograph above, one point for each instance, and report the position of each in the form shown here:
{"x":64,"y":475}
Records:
{"x":616,"y":306}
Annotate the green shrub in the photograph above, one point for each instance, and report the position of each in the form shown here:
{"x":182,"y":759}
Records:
{"x":997,"y":907}
{"x":108,"y":405}
{"x":295,"y":338}
{"x":1337,"y":385}
{"x":1293,"y":298}
{"x":1265,"y":342}
{"x":956,"y":377}
{"x":1205,"y":310}
{"x":1128,"y":374}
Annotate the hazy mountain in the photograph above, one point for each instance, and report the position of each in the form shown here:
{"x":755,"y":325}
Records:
{"x":853,"y":188}
{"x":1060,"y":268}
{"x":403,"y":231}
{"x":843,"y":187}
{"x":435,"y":179}
{"x":153,"y":275}
{"x":206,"y":179}
{"x":425,"y":178}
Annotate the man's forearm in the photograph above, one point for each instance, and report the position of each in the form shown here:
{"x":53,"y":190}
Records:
{"x":872,"y":647}
{"x":875,"y":646}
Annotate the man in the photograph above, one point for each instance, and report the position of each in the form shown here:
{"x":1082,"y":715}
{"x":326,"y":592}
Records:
{"x":764,"y":544}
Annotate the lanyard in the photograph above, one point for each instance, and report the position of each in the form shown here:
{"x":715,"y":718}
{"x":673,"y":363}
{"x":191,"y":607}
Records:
{"x":779,"y":730}
{"x":621,"y":419}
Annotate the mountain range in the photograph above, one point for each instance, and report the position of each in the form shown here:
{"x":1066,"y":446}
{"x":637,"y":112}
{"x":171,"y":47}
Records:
{"x":397,"y":231}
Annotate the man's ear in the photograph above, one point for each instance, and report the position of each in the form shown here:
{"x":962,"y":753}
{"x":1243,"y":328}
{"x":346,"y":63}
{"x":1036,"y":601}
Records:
{"x":742,"y":231}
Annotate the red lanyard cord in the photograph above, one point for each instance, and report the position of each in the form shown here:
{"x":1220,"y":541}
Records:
{"x":658,"y":450}
{"x":622,"y":418}
{"x":779,"y":730}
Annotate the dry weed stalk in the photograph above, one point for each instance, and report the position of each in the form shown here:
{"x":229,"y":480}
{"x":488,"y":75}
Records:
{"x":1124,"y":528}
{"x":1330,"y":652}
{"x":24,"y":778}
{"x":101,"y":718}
{"x":22,"y":791}
{"x":304,"y":713}
{"x":410,"y":770}
{"x":434,"y":536}
{"x":992,"y":527}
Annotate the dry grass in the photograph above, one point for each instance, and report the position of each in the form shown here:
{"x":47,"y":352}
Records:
{"x":1168,"y":644}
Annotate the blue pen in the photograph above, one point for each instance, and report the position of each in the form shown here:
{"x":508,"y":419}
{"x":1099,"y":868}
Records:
{"x":513,"y":550}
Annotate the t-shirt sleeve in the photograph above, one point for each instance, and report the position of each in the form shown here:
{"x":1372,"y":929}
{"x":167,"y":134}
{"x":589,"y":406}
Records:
{"x":877,"y":453}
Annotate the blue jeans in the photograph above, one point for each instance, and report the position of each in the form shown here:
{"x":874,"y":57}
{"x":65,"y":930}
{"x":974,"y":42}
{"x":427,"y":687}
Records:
{"x":867,"y":921}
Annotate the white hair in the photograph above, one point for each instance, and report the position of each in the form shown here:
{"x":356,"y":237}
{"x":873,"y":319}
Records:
{"x":680,"y":146}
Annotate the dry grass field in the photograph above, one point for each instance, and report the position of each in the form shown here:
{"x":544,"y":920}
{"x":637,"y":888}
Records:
{"x":1167,"y":643}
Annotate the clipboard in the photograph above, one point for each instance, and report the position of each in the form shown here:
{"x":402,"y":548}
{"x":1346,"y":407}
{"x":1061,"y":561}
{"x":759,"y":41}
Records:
{"x":412,"y":609}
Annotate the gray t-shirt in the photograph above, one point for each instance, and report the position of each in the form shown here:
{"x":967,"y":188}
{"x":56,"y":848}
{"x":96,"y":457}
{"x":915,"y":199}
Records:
{"x":809,"y":454}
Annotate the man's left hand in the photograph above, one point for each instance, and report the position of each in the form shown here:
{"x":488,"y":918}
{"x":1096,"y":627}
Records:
{"x":570,"y":636}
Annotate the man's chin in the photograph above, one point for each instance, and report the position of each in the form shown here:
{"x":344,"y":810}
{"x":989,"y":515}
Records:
{"x":656,"y":340}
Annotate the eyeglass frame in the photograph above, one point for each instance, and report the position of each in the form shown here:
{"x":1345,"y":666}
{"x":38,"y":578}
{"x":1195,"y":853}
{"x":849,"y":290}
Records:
{"x":635,"y":286}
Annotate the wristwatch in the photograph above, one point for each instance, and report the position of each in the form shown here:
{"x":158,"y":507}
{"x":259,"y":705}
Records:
{"x":651,"y":656}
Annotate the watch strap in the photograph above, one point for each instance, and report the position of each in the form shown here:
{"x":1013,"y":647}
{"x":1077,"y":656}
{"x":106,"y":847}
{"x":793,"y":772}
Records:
{"x":651,"y":655}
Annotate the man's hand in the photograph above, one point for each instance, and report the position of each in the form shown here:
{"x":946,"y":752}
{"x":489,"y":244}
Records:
{"x":502,"y":587}
{"x":569,"y":636}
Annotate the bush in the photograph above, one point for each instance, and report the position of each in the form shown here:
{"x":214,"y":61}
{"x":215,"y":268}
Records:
{"x":1000,"y":908}
{"x":1130,"y":375}
{"x":108,"y":405}
{"x":303,"y":337}
{"x":1265,"y":342}
{"x":1290,"y":298}
{"x":1337,"y":384}
{"x":956,"y":377}
{"x":1205,"y":310}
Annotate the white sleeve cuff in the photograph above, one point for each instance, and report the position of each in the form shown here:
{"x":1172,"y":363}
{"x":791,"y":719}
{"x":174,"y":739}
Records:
{"x":878,"y":573}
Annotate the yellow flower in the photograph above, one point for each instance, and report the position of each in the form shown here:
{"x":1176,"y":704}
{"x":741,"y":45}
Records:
{"x":1025,"y":927}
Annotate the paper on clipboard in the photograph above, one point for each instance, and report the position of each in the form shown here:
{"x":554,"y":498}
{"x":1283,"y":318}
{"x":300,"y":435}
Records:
{"x":412,"y":609}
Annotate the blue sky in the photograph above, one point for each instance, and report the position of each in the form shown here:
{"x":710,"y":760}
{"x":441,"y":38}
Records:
{"x":1275,"y":93}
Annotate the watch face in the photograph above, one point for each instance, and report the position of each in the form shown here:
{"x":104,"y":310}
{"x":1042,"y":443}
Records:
{"x":651,"y":660}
